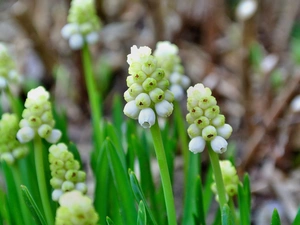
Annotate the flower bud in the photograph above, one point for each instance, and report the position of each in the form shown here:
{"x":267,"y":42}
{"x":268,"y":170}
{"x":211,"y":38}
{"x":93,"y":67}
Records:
{"x":157,"y":95}
{"x":202,"y":122}
{"x":139,"y":77}
{"x":150,"y":65}
{"x":44,"y":130}
{"x":142,"y":101}
{"x":218,"y":121}
{"x":163,"y":84}
{"x":54,"y":136}
{"x":193,"y":131}
{"x":209,"y":133}
{"x":177,"y":91}
{"x":158,"y":74}
{"x":92,"y":38}
{"x":149,"y":84}
{"x":212,"y":112}
{"x":196,"y":112}
{"x":135,"y":89}
{"x":76,"y":41}
{"x":25,"y":134}
{"x":169,"y":96}
{"x":67,"y":186}
{"x":56,"y":194}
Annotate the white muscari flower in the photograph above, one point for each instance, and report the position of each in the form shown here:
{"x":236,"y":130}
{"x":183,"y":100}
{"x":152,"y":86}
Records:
{"x":219,"y":144}
{"x":137,"y":54}
{"x":178,"y":92}
{"x":92,"y":37}
{"x":185,"y":81}
{"x":246,"y":9}
{"x":197,"y":145}
{"x":224,"y":131}
{"x":69,"y":29}
{"x":175,"y":78}
{"x":54,"y":136}
{"x":147,"y":118}
{"x":56,"y":193}
{"x":76,"y":41}
{"x":164,"y":108}
{"x":295,"y":104}
{"x":131,"y":110}
{"x":25,"y":134}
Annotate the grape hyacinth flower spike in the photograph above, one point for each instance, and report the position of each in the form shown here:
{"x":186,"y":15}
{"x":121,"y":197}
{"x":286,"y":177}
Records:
{"x":147,"y":95}
{"x":38,"y":118}
{"x":168,"y":59}
{"x":206,"y":122}
{"x":83,"y":24}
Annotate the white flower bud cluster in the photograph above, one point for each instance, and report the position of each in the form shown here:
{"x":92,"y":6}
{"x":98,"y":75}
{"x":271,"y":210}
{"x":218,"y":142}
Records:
{"x":168,"y":59}
{"x":147,"y":94}
{"x":65,"y":172}
{"x":8,"y":73}
{"x":38,"y":118}
{"x":76,"y":208}
{"x":206,"y":122}
{"x":83,"y":26}
{"x":230,"y":179}
{"x":10,"y":148}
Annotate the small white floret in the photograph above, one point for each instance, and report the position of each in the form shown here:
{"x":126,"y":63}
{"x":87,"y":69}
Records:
{"x":3,"y":83}
{"x":164,"y":108}
{"x":92,"y":37}
{"x":131,"y":110}
{"x":76,"y":41}
{"x":219,"y":144}
{"x":56,"y":194}
{"x":25,"y":134}
{"x":147,"y":118}
{"x":54,"y":136}
{"x":246,"y":9}
{"x":295,"y":104}
{"x":178,"y":92}
{"x":224,"y":131}
{"x":197,"y":144}
{"x":68,"y":30}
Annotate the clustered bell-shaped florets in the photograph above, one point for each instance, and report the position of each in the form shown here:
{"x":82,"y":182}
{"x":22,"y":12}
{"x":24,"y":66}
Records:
{"x":230,"y":179}
{"x":206,"y":122}
{"x":8,"y":73}
{"x":168,"y":59}
{"x":65,"y":172}
{"x":147,"y":94}
{"x":38,"y":118}
{"x":76,"y":208}
{"x":10,"y":148}
{"x":84,"y":24}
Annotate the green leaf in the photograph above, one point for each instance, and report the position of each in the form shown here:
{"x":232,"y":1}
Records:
{"x":101,"y":185}
{"x":207,"y":192}
{"x":109,"y":221}
{"x":34,"y":209}
{"x":227,"y":218}
{"x":244,"y":201}
{"x":122,"y":184}
{"x":275,"y":218}
{"x":217,"y":220}
{"x":297,"y":218}
{"x":193,"y":191}
{"x":142,"y":217}
{"x":117,"y":113}
{"x":200,"y":213}
{"x":139,"y":195}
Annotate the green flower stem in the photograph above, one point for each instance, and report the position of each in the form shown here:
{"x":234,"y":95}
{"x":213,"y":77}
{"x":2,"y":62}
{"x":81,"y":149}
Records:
{"x":93,"y":95}
{"x":40,"y":172}
{"x":164,"y":173}
{"x":183,"y":138}
{"x":18,"y":182}
{"x":214,"y":159}
{"x":232,"y":208}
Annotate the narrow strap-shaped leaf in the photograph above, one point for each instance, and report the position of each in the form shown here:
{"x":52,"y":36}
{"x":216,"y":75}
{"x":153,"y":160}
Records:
{"x":207,"y":192}
{"x":35,"y":212}
{"x":244,"y":200}
{"x":227,"y":218}
{"x":192,"y":190}
{"x":122,"y":184}
{"x":247,"y":191}
{"x":109,"y":221}
{"x":297,"y":218}
{"x":139,"y":195}
{"x":217,"y":220}
{"x":200,"y":213}
{"x":275,"y":218}
{"x":142,"y":217}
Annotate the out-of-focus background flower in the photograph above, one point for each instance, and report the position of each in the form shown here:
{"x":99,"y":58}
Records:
{"x":247,"y":52}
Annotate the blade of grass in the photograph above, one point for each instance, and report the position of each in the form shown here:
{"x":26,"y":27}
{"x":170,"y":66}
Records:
{"x":190,"y":207}
{"x":121,"y":180}
{"x":109,"y":221}
{"x":32,"y":206}
{"x":207,"y":192}
{"x":275,"y":218}
{"x":199,"y":216}
{"x":297,"y":218}
{"x":244,"y":201}
{"x":142,"y":217}
{"x":227,"y":218}
{"x":139,"y":195}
